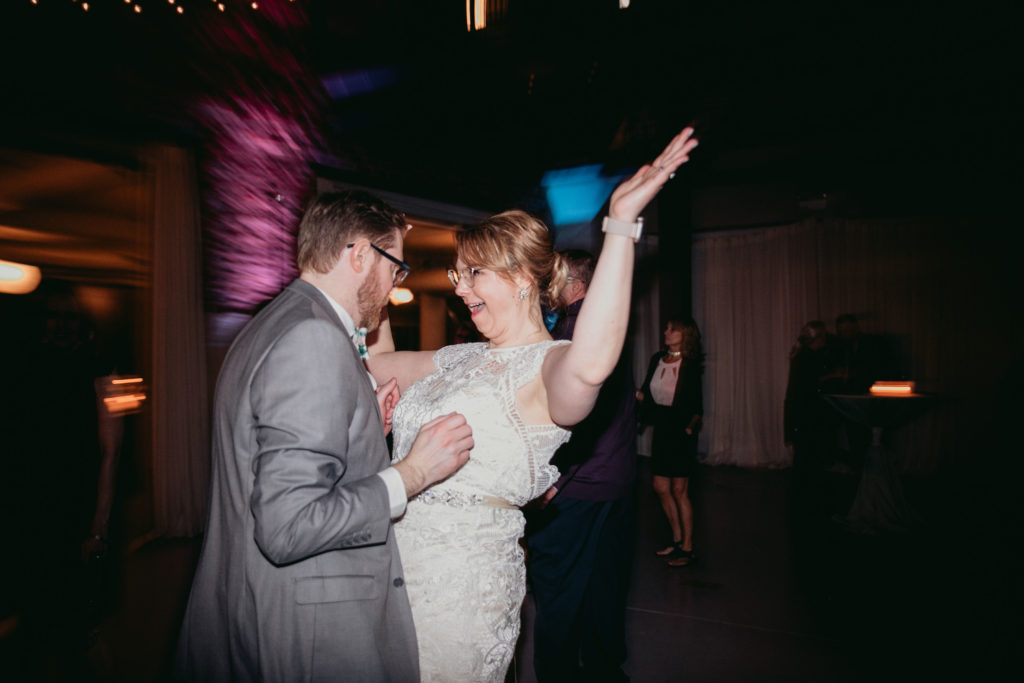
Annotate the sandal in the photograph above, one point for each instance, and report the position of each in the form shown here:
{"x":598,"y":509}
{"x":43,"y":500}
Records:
{"x":681,"y":558}
{"x":669,"y":551}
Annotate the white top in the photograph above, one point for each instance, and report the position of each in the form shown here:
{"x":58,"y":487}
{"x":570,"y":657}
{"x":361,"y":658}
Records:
{"x":663,"y":384}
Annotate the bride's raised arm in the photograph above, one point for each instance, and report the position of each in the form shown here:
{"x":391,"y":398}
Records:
{"x":573,"y":374}
{"x":384,"y":362}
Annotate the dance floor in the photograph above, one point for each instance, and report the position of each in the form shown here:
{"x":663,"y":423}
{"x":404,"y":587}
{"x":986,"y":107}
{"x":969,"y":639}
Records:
{"x":779,"y":592}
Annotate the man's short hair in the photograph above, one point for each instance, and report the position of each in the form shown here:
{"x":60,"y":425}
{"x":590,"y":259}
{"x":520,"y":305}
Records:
{"x":581,"y":265}
{"x":335,"y":219}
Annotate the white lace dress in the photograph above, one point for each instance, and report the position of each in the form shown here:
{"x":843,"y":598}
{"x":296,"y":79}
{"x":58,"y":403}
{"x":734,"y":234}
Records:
{"x":459,"y":540}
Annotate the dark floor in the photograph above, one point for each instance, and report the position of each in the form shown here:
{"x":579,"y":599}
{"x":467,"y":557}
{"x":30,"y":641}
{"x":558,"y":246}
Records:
{"x":780,"y":592}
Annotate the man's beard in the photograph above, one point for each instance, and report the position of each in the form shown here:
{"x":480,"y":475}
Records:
{"x":371,"y":301}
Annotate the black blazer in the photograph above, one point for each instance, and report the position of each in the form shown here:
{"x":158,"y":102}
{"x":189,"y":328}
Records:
{"x":688,"y":399}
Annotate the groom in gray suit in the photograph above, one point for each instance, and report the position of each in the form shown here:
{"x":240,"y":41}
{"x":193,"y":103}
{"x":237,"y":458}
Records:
{"x":299,"y":577}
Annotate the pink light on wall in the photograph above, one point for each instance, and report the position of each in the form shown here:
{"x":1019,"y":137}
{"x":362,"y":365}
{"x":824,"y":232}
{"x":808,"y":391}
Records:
{"x":260,"y":117}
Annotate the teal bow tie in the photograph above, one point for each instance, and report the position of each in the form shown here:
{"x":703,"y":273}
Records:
{"x":360,"y":340}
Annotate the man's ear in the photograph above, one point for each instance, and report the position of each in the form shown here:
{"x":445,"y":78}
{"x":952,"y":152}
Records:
{"x":357,"y":255}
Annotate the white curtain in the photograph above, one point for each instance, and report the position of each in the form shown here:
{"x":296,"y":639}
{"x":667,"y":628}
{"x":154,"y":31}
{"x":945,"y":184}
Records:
{"x":645,"y":319}
{"x":934,"y":288}
{"x":751,"y":290}
{"x":181,"y":443}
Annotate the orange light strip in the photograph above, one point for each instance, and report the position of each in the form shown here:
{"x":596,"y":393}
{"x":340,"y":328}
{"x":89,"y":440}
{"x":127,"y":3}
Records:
{"x":127,"y":398}
{"x":892,"y":388}
{"x":120,"y":405}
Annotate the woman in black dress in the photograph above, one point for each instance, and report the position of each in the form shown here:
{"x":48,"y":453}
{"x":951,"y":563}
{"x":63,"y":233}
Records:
{"x":672,"y":401}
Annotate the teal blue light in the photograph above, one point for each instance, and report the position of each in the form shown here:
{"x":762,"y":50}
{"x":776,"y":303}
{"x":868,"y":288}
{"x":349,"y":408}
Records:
{"x":575,"y":195}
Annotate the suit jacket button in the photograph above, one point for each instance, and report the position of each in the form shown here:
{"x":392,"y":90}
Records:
{"x":399,"y":582}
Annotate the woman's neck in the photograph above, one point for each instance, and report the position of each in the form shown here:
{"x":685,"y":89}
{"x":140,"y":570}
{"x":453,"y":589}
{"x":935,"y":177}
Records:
{"x":528,"y":335}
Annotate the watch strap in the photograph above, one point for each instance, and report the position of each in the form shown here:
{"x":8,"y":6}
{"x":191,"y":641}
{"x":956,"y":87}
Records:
{"x":617,"y":227}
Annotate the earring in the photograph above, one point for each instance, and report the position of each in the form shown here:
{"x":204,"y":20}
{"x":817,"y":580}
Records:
{"x":522,"y":294}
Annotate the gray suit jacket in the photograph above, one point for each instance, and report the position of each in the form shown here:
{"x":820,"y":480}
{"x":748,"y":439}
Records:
{"x":299,"y":577}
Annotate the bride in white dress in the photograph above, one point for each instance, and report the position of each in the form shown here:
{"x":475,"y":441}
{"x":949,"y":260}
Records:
{"x":519,"y":391}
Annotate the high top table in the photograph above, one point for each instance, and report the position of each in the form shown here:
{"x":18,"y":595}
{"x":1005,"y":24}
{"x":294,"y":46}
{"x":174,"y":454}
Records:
{"x":879,"y":503}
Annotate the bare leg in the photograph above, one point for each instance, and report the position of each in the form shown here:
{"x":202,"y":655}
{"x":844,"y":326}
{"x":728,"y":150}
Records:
{"x":663,"y":487}
{"x":681,"y":497}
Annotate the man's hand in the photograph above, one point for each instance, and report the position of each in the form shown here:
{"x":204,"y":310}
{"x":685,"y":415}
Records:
{"x":543,"y":501}
{"x":387,"y":399}
{"x":441,"y":448}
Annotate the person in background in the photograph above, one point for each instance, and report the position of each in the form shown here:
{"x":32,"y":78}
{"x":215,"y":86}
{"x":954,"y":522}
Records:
{"x":672,"y":401}
{"x":580,"y":540}
{"x":857,"y":360}
{"x":810,"y":426}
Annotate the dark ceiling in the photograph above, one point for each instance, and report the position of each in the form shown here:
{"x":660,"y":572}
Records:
{"x":828,"y":94}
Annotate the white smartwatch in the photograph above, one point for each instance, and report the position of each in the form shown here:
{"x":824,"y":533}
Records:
{"x":616,"y":227}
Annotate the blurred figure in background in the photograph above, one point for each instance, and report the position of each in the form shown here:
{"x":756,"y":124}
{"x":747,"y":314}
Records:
{"x":580,"y":541}
{"x":857,"y":360}
{"x":50,"y":461}
{"x":672,"y":401}
{"x":809,"y":424}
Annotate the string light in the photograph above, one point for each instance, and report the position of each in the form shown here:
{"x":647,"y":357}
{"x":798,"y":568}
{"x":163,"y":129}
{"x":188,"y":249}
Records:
{"x":137,"y":5}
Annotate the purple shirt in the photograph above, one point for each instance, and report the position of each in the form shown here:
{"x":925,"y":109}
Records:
{"x":599,"y":461}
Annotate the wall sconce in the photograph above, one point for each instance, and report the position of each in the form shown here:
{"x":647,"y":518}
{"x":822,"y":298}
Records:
{"x":122,"y":395}
{"x":18,"y":278}
{"x":400,"y":295}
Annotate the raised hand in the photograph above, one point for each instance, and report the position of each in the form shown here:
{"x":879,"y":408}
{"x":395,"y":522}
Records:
{"x":387,"y":399}
{"x":441,"y":448}
{"x":629,"y":199}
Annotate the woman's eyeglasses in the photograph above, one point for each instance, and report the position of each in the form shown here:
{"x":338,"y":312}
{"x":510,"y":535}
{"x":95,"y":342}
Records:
{"x":467,"y":275}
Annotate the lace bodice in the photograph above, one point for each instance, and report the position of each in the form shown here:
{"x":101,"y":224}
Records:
{"x":463,"y":564}
{"x":510,"y":459}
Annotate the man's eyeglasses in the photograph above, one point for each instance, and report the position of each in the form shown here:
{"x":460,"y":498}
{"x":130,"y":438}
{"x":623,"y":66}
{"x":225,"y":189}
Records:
{"x":467,"y":275}
{"x":403,"y":267}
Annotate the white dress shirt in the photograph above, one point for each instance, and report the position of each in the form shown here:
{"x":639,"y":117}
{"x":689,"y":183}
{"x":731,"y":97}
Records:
{"x":392,"y":479}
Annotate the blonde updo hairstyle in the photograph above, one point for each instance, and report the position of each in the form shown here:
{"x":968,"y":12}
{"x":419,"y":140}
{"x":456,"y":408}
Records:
{"x":515,"y":242}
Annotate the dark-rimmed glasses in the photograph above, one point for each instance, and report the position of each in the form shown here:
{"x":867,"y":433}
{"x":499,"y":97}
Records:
{"x":403,"y":267}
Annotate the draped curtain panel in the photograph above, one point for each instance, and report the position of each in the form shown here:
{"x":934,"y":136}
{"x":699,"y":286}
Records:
{"x":181,"y":442}
{"x":935,"y":289}
{"x":645,"y":320}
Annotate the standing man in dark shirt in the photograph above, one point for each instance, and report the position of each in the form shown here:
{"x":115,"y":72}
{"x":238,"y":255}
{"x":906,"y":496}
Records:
{"x":580,"y":540}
